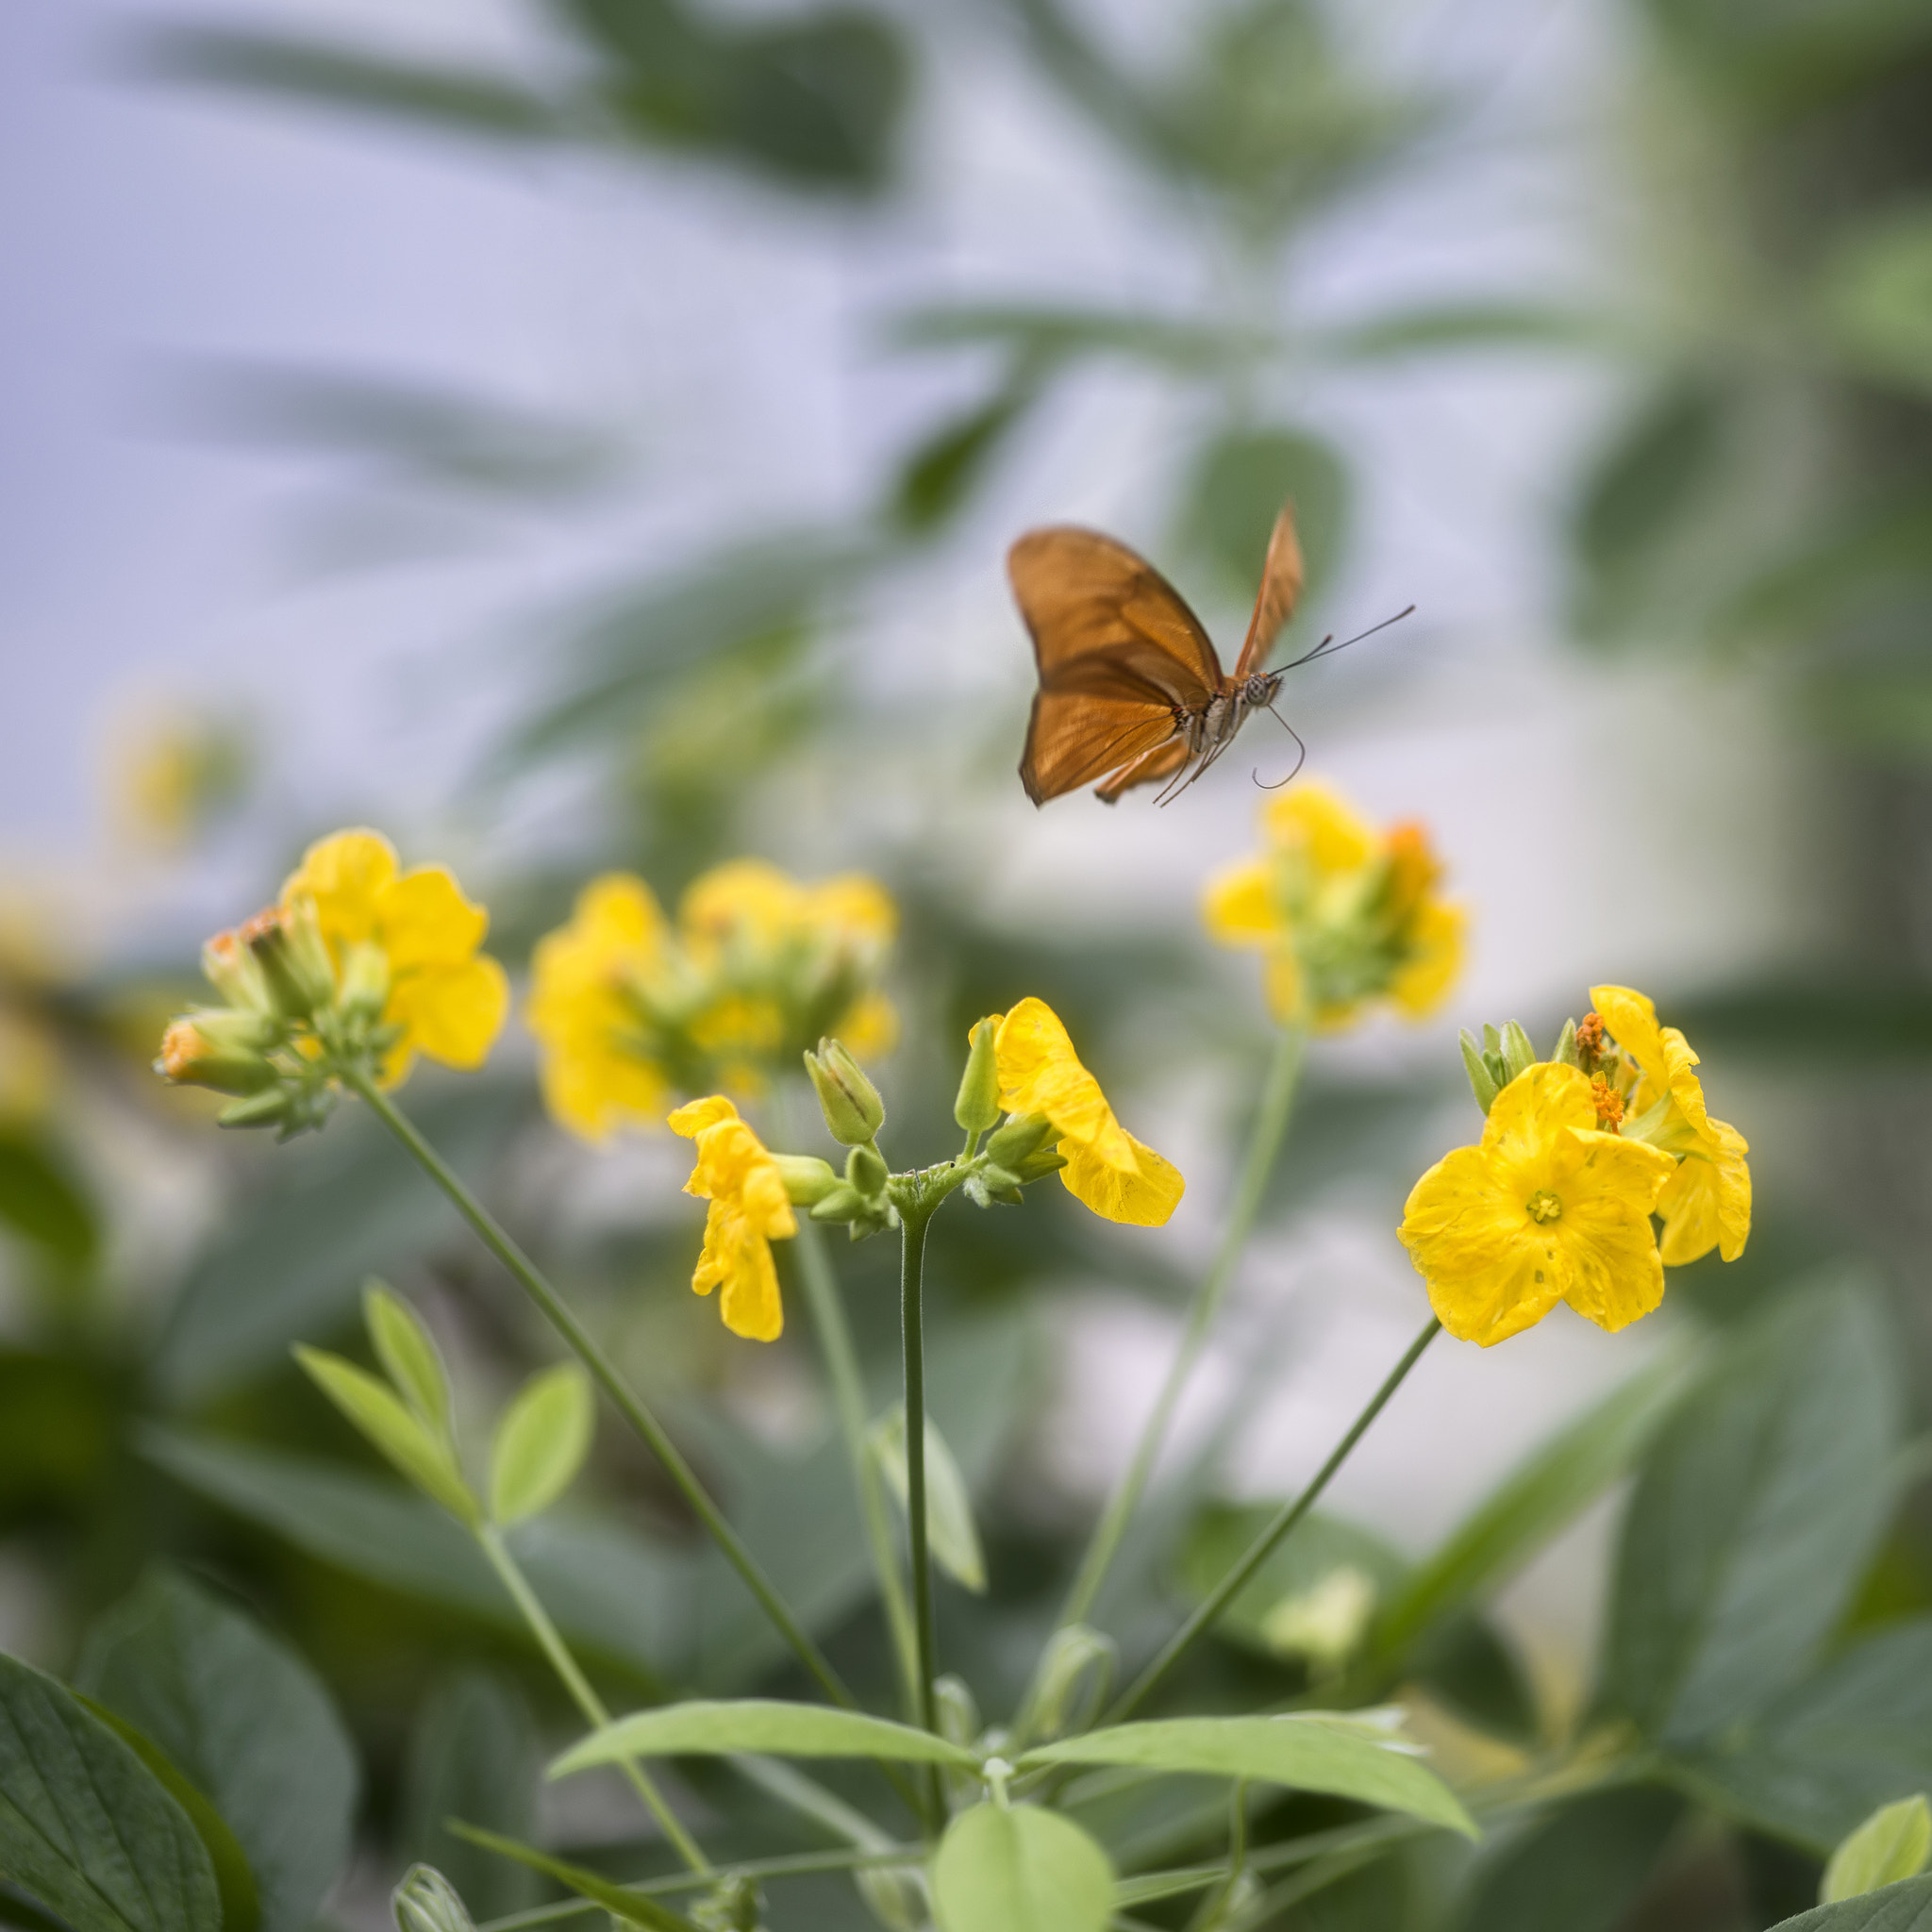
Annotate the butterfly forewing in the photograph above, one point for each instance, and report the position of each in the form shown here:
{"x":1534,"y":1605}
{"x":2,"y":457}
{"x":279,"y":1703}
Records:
{"x":1281,"y":589}
{"x":1119,"y":654}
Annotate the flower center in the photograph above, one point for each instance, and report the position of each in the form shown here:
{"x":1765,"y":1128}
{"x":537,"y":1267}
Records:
{"x":1543,"y":1206}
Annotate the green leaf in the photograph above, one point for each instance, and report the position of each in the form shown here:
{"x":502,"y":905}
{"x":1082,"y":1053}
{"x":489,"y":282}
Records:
{"x":1344,"y":1755}
{"x":408,"y":1355}
{"x":85,"y":1827}
{"x":1893,"y":1844}
{"x":540,"y":1442}
{"x":1753,"y":1517}
{"x":1019,"y":1870}
{"x":1581,"y":1868}
{"x":1875,"y":294}
{"x":43,"y":1201}
{"x":1239,"y":484}
{"x":950,"y":1532}
{"x":472,"y":1754}
{"x":634,"y":1907}
{"x":1464,"y":325}
{"x":1906,"y":1908}
{"x":1043,"y":335}
{"x":939,"y":477}
{"x":1542,"y":1495}
{"x":235,"y":1886}
{"x":246,"y":1720}
{"x":703,"y":1728}
{"x":611,"y":1594}
{"x":375,"y":1409}
{"x":1854,"y":1736}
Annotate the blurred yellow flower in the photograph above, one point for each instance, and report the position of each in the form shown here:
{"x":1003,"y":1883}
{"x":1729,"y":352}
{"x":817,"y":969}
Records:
{"x":630,"y":1009}
{"x":1706,"y":1203}
{"x":1106,"y":1170}
{"x":1343,"y":914}
{"x":417,"y":929}
{"x":1547,"y":1209}
{"x":174,"y":772}
{"x":749,"y":1209}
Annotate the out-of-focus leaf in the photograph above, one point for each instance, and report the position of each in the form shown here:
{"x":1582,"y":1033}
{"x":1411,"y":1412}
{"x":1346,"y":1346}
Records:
{"x":1340,"y":1755}
{"x":1019,"y":1870}
{"x":950,"y":1532}
{"x":1581,"y":1868}
{"x":1469,"y":1663}
{"x":1462,"y":326}
{"x":1906,"y":1908}
{"x":85,"y":1827}
{"x":408,"y":1355}
{"x":1236,"y":490}
{"x":1854,"y":1736}
{"x":43,"y":1202}
{"x":1794,"y":56}
{"x":472,"y":1754}
{"x":234,"y":1880}
{"x":1891,"y":1845}
{"x":540,"y":1442}
{"x":1754,"y":1514}
{"x":714,"y":1729}
{"x":292,"y":1261}
{"x":58,"y":1424}
{"x":383,"y":1419}
{"x":246,"y":1720}
{"x":1870,"y":559}
{"x":1877,"y":296}
{"x":1545,"y":1492}
{"x":1047,"y":335}
{"x":1827,"y":1026}
{"x":939,"y":476}
{"x":18,"y":1910}
{"x":332,"y":76}
{"x":609,"y":1592}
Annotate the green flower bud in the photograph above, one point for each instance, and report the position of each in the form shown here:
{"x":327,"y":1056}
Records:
{"x":733,"y":1906}
{"x":1482,"y":1082}
{"x":425,"y":1901}
{"x":866,"y":1171}
{"x":1519,"y":1053}
{"x":840,"y":1204}
{"x":1568,"y":1054}
{"x":288,"y":946}
{"x":1021,"y":1139}
{"x":853,"y":1109}
{"x":807,"y":1179}
{"x":233,"y":973}
{"x":270,"y":1108}
{"x":365,"y":982}
{"x":978,"y":1108}
{"x":221,"y":1049}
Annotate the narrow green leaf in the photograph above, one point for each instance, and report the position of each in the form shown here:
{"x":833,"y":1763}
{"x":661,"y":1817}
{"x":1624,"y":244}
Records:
{"x":85,"y":1827}
{"x":408,"y":1355}
{"x":706,"y":1728}
{"x":1893,"y":1844}
{"x":1019,"y":1870}
{"x":1580,"y":1867}
{"x":1545,"y":1492}
{"x":43,"y":1202}
{"x":246,"y":1720}
{"x":540,"y":1442}
{"x":378,"y":1412}
{"x":1346,"y":1756}
{"x":632,"y":1906}
{"x":952,"y":1535}
{"x":1904,"y":1908}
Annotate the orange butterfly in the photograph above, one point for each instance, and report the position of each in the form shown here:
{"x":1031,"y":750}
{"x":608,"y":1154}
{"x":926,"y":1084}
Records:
{"x":1129,"y":683}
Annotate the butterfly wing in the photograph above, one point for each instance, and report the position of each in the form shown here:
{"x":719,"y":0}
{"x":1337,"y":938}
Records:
{"x":1118,"y":651}
{"x":1150,"y":768}
{"x":1281,"y":587}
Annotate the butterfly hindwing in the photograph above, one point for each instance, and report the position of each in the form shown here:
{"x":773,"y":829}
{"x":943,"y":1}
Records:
{"x":1281,"y":587}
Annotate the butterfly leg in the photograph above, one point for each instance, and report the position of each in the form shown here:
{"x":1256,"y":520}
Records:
{"x":1148,"y":768}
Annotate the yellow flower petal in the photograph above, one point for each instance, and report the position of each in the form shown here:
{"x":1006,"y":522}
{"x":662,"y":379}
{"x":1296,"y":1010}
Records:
{"x":745,"y":897}
{"x":749,"y":1207}
{"x":870,"y":1028}
{"x":1281,"y":985}
{"x":1145,"y":1198}
{"x":344,"y":874}
{"x":1040,"y":1073}
{"x":1311,"y":819}
{"x":1239,"y":907}
{"x":695,"y":1116}
{"x":853,"y":907}
{"x":453,"y":1014}
{"x":422,"y":919}
{"x":1436,"y":947}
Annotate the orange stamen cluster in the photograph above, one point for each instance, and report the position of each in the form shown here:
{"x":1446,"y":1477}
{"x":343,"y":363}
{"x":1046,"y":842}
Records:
{"x":1604,"y":1097}
{"x":1589,"y":1040}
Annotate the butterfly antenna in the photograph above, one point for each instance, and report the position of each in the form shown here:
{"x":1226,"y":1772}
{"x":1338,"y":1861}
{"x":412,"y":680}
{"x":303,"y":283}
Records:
{"x":1327,"y":647}
{"x":1299,"y":762}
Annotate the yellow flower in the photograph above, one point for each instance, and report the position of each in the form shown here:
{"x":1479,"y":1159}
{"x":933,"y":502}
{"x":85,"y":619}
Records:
{"x":1343,"y":914}
{"x":630,"y":1009}
{"x":1706,"y":1203}
{"x":1547,"y":1210}
{"x":749,"y":1209}
{"x":448,"y":999}
{"x":1106,"y":1170}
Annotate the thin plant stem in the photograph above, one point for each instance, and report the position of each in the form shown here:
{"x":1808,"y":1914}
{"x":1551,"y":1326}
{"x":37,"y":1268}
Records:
{"x":630,"y":1405}
{"x":553,"y":1646}
{"x":1264,"y":1545}
{"x":1257,"y":1165}
{"x":820,"y":1284}
{"x":914,"y":1220}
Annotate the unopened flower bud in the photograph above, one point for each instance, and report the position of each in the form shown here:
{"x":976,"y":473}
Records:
{"x":288,"y":947}
{"x":1519,"y":1054}
{"x":1567,"y":1054}
{"x":1482,"y":1082}
{"x":233,"y":973}
{"x":1042,"y":1161}
{"x":841,"y":1203}
{"x":853,"y":1109}
{"x":221,"y":1049}
{"x":425,"y":1901}
{"x":1018,"y":1141}
{"x":866,"y":1171}
{"x":978,"y":1108}
{"x":272,"y":1108}
{"x":731,"y":1906}
{"x":807,"y":1179}
{"x":365,"y":982}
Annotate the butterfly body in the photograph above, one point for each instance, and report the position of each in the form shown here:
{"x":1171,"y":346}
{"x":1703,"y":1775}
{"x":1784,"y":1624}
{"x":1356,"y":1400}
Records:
{"x":1131,"y":691}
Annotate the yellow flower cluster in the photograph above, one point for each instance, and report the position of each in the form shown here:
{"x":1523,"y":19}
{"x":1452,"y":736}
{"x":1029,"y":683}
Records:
{"x":630,"y":1009}
{"x":1344,"y":915}
{"x":1556,"y":1202}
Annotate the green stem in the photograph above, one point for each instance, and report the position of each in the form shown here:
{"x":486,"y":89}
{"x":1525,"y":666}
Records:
{"x":1257,"y":1165}
{"x":1264,"y":1545}
{"x":848,"y":1398}
{"x":914,"y":1219}
{"x":586,"y":1701}
{"x":630,"y":1405}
